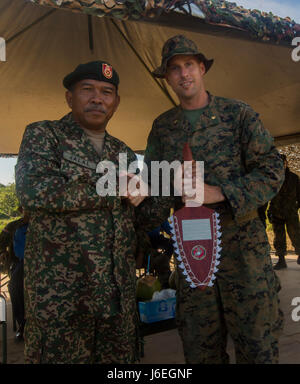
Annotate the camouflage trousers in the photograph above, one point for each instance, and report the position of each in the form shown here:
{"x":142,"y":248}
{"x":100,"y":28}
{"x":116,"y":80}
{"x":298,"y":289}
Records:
{"x":242,"y":303}
{"x":293,"y":230}
{"x":93,"y":341}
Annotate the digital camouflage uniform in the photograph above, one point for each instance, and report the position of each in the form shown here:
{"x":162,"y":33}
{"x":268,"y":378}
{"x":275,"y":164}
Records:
{"x":79,"y":258}
{"x":239,"y":156}
{"x":283,"y":211}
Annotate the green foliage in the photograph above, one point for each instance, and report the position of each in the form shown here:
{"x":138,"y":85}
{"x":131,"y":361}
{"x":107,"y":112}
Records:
{"x":269,"y":226}
{"x":8,"y":202}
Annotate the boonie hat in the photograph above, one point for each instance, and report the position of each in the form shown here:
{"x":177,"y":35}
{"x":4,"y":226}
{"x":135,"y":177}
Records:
{"x":179,"y":45}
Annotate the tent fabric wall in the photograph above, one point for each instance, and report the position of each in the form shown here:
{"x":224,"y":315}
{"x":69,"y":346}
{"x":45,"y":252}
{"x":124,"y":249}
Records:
{"x":263,"y":75}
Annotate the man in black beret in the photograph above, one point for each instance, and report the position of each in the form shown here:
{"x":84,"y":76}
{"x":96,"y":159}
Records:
{"x":93,"y":97}
{"x":79,"y":259}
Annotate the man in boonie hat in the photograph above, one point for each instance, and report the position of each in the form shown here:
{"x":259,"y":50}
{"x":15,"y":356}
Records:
{"x":242,"y":171}
{"x":79,"y":259}
{"x":179,"y":56}
{"x":179,"y":45}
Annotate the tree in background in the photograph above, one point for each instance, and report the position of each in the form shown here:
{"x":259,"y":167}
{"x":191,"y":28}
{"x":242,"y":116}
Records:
{"x":8,"y":204}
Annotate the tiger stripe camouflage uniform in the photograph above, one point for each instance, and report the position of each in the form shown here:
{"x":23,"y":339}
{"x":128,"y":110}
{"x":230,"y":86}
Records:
{"x":239,"y":156}
{"x":79,"y":259}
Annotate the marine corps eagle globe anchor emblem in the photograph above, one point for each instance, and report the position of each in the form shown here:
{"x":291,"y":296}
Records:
{"x":198,"y":252}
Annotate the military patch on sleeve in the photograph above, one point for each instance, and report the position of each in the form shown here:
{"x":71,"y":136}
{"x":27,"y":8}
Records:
{"x":79,"y":161}
{"x":107,"y":70}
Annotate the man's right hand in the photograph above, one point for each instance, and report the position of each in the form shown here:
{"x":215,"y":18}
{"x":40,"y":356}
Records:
{"x":137,"y":189}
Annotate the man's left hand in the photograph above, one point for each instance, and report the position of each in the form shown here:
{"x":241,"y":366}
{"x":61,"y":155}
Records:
{"x":137,"y":190}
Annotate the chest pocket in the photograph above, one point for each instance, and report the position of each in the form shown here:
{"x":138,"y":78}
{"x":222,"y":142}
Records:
{"x":172,"y":143}
{"x":218,"y":146}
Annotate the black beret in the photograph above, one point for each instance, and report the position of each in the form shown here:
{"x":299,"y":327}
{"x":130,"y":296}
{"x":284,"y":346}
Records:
{"x":95,"y":70}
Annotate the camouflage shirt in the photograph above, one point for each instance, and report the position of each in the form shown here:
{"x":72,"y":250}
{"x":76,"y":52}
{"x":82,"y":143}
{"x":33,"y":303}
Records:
{"x":240,"y":158}
{"x":287,"y":202}
{"x":238,"y":152}
{"x":79,"y":256}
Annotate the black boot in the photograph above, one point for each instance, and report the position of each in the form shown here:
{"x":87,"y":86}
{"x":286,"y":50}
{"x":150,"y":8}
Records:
{"x":281,"y":264}
{"x":298,"y":260}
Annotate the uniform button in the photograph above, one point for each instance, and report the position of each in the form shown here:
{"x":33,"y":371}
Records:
{"x":213,"y":117}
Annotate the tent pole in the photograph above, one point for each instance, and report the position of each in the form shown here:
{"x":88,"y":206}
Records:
{"x":91,"y":35}
{"x":165,"y":91}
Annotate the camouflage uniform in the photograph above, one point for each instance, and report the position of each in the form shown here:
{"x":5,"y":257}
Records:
{"x":239,"y":156}
{"x":79,"y":258}
{"x":283,"y":211}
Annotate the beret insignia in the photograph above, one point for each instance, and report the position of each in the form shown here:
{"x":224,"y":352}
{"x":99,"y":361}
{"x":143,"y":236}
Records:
{"x":107,"y":70}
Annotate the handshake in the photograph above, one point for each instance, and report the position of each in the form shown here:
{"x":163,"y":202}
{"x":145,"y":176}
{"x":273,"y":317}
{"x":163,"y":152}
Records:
{"x":188,"y":183}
